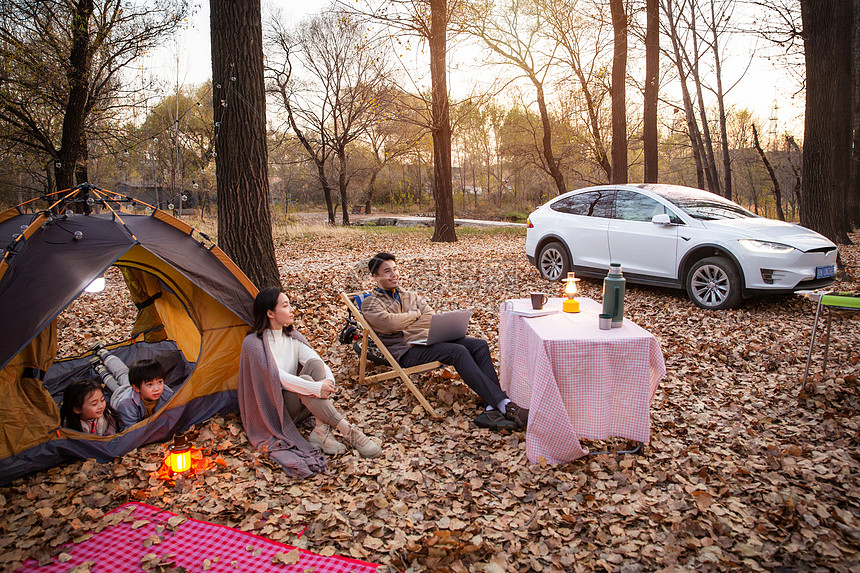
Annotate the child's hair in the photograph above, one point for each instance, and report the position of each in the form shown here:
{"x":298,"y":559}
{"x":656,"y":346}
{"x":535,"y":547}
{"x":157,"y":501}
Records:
{"x":144,"y":371}
{"x":74,"y":396}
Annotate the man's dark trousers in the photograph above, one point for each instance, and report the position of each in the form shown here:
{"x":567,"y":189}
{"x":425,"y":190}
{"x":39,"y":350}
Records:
{"x":471,"y":358}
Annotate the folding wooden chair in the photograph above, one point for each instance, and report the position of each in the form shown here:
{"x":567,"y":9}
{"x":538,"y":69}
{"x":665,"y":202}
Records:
{"x":353,"y":303}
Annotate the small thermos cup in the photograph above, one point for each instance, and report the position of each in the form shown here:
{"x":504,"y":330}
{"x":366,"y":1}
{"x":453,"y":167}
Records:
{"x":605,"y":321}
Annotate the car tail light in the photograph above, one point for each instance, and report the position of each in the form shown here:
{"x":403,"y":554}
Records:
{"x":529,"y":224}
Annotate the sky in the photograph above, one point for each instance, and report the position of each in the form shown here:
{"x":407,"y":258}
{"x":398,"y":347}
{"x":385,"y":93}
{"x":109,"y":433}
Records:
{"x":188,"y":61}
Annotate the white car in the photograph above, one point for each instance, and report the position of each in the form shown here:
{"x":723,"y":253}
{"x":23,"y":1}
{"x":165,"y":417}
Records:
{"x":674,"y":236}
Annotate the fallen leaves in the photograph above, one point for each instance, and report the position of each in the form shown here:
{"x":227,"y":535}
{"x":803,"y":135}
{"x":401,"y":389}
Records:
{"x":740,"y":472}
{"x":290,"y":558}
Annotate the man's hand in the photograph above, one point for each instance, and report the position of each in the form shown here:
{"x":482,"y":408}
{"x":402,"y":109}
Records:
{"x":414,"y":315}
{"x":327,"y":389}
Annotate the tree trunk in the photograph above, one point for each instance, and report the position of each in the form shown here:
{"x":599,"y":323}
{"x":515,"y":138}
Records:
{"x":693,"y":131}
{"x":81,"y":165}
{"x":652,"y":86}
{"x":618,"y":92}
{"x":51,"y":176}
{"x":443,"y":192}
{"x":80,"y":62}
{"x":546,"y":140}
{"x":777,"y":191}
{"x":329,"y":204}
{"x":488,"y":189}
{"x":695,"y":136}
{"x":797,"y":171}
{"x":318,"y":157}
{"x":343,"y":183}
{"x":689,"y":114}
{"x":827,"y":26}
{"x":710,"y":164}
{"x":727,"y":160}
{"x":371,"y":188}
{"x":241,"y":161}
{"x":854,"y":195}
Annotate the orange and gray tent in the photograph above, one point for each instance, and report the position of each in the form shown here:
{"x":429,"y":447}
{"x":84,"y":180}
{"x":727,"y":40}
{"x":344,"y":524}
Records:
{"x":194,"y":308}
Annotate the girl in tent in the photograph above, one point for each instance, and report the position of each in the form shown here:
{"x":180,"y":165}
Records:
{"x":281,"y":381}
{"x":84,"y":409}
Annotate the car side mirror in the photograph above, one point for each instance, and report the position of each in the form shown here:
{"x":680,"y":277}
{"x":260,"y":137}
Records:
{"x":661,"y":219}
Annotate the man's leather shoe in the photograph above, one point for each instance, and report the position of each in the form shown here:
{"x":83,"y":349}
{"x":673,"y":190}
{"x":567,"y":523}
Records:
{"x":494,"y":420}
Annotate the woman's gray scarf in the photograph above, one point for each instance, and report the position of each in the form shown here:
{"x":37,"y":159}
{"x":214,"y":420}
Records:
{"x":261,"y":405}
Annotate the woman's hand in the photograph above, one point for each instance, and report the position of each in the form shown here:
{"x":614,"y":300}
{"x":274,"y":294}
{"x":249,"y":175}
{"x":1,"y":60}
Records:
{"x":327,"y":389}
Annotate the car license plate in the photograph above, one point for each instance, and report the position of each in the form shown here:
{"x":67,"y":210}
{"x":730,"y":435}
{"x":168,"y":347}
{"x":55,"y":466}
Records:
{"x":825,"y":272}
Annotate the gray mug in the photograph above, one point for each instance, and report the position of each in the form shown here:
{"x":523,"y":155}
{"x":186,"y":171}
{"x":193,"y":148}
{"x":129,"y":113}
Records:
{"x":538,"y":300}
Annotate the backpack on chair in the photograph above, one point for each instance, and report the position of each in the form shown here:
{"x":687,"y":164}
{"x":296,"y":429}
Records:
{"x":349,"y":334}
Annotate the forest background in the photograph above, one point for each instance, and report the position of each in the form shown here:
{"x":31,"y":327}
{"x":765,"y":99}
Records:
{"x":557,"y":95}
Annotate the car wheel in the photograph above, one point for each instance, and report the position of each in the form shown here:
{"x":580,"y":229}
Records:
{"x":714,"y":284}
{"x":553,"y":261}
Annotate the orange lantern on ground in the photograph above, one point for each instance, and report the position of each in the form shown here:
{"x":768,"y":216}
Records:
{"x":179,"y":458}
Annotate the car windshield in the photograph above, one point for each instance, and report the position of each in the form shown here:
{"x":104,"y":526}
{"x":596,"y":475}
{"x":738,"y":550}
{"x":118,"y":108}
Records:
{"x":706,"y":207}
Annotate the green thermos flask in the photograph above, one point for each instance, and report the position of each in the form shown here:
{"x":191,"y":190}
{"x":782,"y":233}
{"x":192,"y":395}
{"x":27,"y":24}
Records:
{"x":613,"y":294}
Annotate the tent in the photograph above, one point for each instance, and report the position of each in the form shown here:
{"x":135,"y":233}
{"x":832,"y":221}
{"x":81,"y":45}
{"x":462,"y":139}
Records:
{"x":194,"y":308}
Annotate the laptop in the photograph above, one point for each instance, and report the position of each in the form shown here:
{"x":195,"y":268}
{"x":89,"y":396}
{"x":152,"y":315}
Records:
{"x":445,"y":326}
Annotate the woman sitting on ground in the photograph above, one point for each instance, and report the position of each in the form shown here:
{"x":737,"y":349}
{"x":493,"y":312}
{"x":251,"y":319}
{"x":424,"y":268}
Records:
{"x":281,"y":382}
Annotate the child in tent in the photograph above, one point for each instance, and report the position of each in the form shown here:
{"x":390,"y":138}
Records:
{"x":144,"y":394}
{"x":84,"y":409}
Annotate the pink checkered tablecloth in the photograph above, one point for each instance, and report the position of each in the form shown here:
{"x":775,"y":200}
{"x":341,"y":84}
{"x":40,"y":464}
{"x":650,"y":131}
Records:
{"x":576,"y":379}
{"x":192,"y":544}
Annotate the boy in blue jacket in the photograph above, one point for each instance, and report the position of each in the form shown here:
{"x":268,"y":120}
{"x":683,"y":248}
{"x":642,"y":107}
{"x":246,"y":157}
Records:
{"x":145,"y":393}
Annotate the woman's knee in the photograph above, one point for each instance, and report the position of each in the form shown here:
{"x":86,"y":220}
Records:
{"x":315,"y":369}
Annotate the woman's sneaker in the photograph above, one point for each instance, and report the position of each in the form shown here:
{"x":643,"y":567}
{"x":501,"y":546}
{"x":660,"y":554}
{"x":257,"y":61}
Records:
{"x":365,"y":446}
{"x":321,"y":437}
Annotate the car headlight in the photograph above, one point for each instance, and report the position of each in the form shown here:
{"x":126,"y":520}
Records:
{"x":757,"y":246}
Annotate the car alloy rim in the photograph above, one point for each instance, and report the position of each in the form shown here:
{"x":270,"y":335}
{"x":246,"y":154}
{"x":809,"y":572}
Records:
{"x":551,"y":264}
{"x":710,"y":285}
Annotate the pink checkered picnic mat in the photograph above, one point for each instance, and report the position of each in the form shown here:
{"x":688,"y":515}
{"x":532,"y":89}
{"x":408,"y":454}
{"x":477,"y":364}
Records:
{"x":576,"y":379}
{"x":119,"y":548}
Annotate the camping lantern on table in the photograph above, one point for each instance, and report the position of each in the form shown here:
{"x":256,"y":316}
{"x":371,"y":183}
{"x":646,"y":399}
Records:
{"x":179,"y":458}
{"x":570,"y":304}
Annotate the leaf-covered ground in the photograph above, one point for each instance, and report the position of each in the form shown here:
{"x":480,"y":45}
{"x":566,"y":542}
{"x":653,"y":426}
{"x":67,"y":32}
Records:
{"x":743,"y":471}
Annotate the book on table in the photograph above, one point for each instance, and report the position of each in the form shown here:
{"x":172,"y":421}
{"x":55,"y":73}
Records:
{"x":531,"y":312}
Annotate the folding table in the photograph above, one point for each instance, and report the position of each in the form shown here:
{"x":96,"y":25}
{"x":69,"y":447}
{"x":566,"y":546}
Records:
{"x":577,"y":380}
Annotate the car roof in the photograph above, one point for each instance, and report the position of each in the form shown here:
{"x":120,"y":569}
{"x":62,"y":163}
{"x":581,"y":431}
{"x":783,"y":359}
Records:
{"x":666,"y":191}
{"x":674,"y":191}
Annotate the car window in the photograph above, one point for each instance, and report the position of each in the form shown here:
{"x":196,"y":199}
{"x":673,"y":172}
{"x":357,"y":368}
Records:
{"x":708,"y":208}
{"x":590,"y":203}
{"x":632,"y":206}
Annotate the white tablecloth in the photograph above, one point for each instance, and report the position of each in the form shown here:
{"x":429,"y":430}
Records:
{"x":576,"y":379}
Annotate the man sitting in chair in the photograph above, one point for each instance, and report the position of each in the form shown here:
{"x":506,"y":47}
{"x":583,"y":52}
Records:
{"x":401,"y":317}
